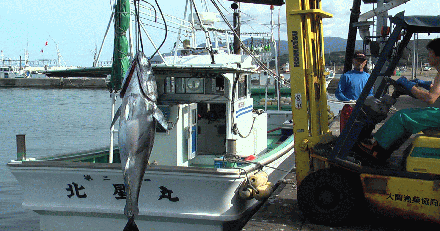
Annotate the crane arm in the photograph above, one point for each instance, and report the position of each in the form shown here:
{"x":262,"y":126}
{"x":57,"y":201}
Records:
{"x":386,"y":7}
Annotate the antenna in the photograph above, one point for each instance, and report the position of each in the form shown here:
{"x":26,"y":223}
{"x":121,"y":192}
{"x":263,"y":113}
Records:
{"x":59,"y":57}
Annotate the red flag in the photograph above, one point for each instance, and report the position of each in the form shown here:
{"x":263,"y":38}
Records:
{"x":46,"y":43}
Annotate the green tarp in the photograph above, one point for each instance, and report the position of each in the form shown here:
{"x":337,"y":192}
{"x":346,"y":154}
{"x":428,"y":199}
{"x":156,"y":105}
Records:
{"x":121,"y":60}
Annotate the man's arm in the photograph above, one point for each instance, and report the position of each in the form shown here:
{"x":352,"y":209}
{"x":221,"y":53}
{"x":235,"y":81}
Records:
{"x":341,"y":88}
{"x":431,"y":96}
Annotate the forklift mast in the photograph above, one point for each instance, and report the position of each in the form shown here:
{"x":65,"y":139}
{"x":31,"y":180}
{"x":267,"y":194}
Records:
{"x":307,"y":66}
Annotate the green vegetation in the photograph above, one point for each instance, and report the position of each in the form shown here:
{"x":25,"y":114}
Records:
{"x":338,"y":57}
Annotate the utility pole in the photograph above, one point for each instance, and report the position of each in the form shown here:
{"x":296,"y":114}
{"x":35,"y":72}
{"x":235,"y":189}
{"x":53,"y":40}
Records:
{"x":352,"y":32}
{"x":236,"y":22}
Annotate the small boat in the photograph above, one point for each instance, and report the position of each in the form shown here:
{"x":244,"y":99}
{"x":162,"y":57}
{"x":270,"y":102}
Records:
{"x":12,"y":72}
{"x":330,"y":75}
{"x":218,"y":163}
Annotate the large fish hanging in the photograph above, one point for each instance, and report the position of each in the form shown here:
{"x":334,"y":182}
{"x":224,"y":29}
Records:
{"x":138,"y":115}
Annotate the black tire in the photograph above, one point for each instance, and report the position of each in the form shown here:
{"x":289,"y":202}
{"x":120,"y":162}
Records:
{"x":330,"y":197}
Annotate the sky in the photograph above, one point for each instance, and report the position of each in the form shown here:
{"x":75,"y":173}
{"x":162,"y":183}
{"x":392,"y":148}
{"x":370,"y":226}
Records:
{"x":78,"y":27}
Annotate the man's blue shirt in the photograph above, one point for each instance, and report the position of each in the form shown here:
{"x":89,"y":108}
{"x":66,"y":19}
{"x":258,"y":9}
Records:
{"x":351,"y":84}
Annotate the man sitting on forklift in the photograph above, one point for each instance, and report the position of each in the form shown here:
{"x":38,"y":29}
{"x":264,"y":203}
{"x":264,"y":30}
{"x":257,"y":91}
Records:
{"x":352,"y":82}
{"x":412,"y":120}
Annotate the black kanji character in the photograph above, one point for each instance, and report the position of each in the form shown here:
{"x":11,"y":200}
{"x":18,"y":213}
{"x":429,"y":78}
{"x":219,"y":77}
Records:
{"x":166,"y":193}
{"x":390,"y":197}
{"x":77,"y":189}
{"x":398,"y":197}
{"x":416,"y":200}
{"x":425,"y":201}
{"x":120,"y":191}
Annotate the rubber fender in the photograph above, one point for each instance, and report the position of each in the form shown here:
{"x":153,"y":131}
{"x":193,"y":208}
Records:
{"x":264,"y":192}
{"x":258,"y":179}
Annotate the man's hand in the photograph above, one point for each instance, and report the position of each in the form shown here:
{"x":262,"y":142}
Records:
{"x":406,"y":83}
{"x":422,"y":83}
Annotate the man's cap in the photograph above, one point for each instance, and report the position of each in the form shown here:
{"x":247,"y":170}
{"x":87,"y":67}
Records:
{"x":359,"y":55}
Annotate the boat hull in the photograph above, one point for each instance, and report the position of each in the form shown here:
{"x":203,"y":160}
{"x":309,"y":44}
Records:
{"x":90,"y":196}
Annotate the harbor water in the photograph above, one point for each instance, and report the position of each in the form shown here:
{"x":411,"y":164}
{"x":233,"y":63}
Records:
{"x":55,"y":121}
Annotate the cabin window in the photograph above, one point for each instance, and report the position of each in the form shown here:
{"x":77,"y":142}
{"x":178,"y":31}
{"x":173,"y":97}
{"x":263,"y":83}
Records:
{"x":170,"y":86}
{"x":242,"y":86}
{"x":194,"y":116}
{"x":194,"y":85}
{"x":178,"y":85}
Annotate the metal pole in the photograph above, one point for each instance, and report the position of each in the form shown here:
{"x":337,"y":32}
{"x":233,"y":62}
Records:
{"x":236,"y":22}
{"x":21,"y":147}
{"x":95,"y":62}
{"x":352,"y":31}
{"x":112,"y":129}
{"x":415,"y":55}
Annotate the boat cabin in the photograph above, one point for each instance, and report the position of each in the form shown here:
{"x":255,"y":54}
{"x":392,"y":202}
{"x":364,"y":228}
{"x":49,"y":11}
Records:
{"x":214,"y":112}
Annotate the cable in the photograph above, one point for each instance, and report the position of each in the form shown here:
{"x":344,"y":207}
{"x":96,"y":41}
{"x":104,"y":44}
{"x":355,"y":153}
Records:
{"x":243,"y":46}
{"x":166,"y":30}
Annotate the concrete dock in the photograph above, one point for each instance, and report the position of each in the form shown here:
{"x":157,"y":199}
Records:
{"x":55,"y":82}
{"x":281,"y":212}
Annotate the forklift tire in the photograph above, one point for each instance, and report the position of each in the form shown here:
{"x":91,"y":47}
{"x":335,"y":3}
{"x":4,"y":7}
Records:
{"x":330,"y":197}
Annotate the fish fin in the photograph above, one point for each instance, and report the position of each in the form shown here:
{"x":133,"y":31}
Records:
{"x":160,"y":118}
{"x":131,"y":225}
{"x":117,"y":114}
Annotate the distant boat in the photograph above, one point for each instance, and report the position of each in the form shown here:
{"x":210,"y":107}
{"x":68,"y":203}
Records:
{"x":330,"y":74}
{"x":13,"y":72}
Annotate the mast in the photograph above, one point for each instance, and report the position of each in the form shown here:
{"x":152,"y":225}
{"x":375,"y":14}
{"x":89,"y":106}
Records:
{"x":121,"y":60}
{"x":120,"y":52}
{"x":236,"y":23}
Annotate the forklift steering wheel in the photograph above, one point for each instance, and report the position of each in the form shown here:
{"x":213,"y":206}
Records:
{"x":399,"y":89}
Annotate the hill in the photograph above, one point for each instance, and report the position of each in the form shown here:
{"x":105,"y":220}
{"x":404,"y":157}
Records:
{"x":334,"y":49}
{"x":331,"y":44}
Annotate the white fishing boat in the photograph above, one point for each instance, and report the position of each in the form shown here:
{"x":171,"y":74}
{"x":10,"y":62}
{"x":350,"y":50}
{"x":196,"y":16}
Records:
{"x":217,"y":164}
{"x":12,"y":72}
{"x":199,"y":166}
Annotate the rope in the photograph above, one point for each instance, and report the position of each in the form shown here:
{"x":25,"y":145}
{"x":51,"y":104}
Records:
{"x":231,"y":158}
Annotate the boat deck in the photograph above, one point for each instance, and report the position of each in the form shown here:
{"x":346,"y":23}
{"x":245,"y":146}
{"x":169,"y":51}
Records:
{"x":274,"y":139}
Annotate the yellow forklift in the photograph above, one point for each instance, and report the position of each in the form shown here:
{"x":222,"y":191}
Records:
{"x":334,"y":182}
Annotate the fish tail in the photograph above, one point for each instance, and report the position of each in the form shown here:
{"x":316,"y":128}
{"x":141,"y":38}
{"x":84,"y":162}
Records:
{"x":131,"y":225}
